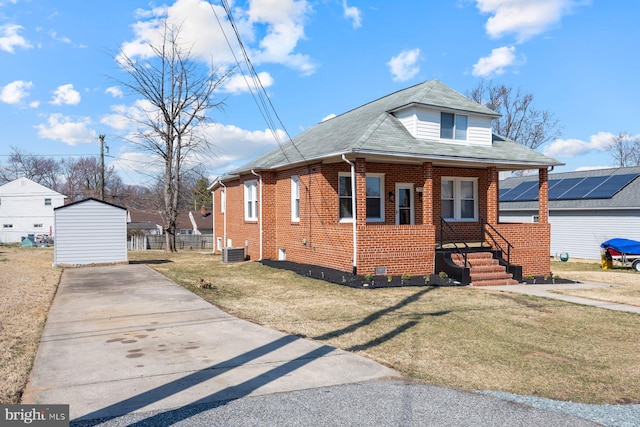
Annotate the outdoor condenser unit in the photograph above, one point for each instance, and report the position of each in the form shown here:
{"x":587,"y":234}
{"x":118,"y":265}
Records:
{"x":232,"y":254}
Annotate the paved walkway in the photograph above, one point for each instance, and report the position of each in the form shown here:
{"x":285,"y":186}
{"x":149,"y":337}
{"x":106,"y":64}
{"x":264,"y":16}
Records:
{"x":546,"y":291}
{"x":125,"y":346}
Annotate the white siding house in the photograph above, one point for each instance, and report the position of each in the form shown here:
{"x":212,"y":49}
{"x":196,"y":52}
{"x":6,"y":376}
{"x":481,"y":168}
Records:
{"x":586,"y":208}
{"x":90,"y":232}
{"x":26,"y":207}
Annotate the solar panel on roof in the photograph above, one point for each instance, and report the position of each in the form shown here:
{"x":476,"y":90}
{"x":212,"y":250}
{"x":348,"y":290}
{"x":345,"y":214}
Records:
{"x":561,"y":187}
{"x":611,"y":186}
{"x":504,"y":191}
{"x":530,"y":195}
{"x":516,"y":191}
{"x":583,"y":188}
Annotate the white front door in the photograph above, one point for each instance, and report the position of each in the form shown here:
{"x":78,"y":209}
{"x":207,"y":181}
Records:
{"x":404,"y":204}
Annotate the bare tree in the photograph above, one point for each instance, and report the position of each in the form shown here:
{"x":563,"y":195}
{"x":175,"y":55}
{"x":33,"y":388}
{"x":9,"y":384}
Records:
{"x":82,"y":180}
{"x":625,"y":150}
{"x":179,"y":92}
{"x":40,"y":169}
{"x":521,"y":121}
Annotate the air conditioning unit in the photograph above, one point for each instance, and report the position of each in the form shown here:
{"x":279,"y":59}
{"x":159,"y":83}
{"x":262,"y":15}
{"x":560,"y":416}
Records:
{"x":230,"y":254}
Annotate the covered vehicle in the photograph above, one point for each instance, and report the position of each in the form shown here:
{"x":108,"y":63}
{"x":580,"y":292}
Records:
{"x":625,"y":251}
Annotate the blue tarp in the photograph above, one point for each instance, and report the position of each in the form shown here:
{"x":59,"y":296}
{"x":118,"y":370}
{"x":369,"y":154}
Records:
{"x":626,"y":246}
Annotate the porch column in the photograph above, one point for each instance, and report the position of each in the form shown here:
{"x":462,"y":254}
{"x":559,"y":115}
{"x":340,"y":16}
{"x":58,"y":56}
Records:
{"x":427,"y":193}
{"x":361,"y":192}
{"x":492,"y":196}
{"x":543,"y":196}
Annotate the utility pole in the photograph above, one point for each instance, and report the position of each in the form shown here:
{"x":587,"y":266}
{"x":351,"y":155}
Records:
{"x":101,"y":138}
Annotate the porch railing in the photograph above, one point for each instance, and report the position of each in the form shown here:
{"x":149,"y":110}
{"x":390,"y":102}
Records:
{"x":486,"y":231}
{"x":446,"y":232}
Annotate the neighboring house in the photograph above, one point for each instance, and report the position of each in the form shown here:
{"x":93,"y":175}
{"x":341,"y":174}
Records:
{"x":188,"y":222}
{"x":26,"y":208}
{"x":586,"y":208}
{"x":365,"y":191}
{"x":90,"y":231}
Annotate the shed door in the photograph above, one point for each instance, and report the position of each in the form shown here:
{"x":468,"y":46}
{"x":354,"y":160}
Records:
{"x":404,"y":204}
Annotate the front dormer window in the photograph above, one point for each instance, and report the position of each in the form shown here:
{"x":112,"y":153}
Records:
{"x":453,"y":126}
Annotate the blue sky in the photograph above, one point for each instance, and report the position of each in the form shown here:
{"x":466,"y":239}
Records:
{"x":58,"y":79}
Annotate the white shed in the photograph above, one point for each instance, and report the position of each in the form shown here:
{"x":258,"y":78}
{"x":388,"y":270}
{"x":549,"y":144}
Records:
{"x":90,"y":231}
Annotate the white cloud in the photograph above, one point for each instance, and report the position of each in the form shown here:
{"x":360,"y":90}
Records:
{"x":330,"y":116}
{"x":496,"y":62}
{"x":353,"y":13}
{"x":237,"y":83}
{"x":282,"y":23}
{"x":10,"y":39}
{"x":66,"y":95}
{"x":574,"y":147}
{"x":591,"y":168}
{"x":403,"y":66}
{"x":62,"y":128}
{"x":114,"y":91}
{"x":232,"y":147}
{"x":524,"y":18}
{"x":54,"y":35}
{"x":15,"y":92}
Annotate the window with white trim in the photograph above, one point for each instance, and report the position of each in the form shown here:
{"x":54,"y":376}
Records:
{"x":453,"y":126}
{"x":251,"y":200}
{"x":295,"y":198}
{"x":344,"y":197}
{"x":223,"y":200}
{"x":459,"y":199}
{"x":47,"y":202}
{"x":375,"y":197}
{"x":7,"y":225}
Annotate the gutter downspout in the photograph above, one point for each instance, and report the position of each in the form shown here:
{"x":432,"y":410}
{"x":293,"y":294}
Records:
{"x":260,"y":204}
{"x":213,"y":220}
{"x":224,"y":216}
{"x":353,"y":210}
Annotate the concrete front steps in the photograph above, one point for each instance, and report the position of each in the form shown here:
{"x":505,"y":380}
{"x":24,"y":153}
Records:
{"x":484,"y":269}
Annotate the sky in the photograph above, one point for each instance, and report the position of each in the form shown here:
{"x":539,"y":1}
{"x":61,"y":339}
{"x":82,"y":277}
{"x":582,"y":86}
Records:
{"x":61,"y":87}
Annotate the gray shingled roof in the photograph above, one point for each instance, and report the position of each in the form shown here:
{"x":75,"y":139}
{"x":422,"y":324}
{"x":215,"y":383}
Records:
{"x":628,"y":197}
{"x":371,"y":130}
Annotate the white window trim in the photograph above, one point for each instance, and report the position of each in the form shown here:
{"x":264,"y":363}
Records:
{"x":457,"y":205}
{"x":382,"y":193}
{"x":295,"y":195}
{"x":247,"y":193}
{"x":382,"y":196}
{"x":455,"y":122}
{"x":223,"y":200}
{"x":47,"y":201}
{"x":353,"y":191}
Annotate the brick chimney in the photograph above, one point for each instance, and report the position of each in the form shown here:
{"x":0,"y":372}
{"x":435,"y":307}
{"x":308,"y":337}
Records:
{"x":203,"y":210}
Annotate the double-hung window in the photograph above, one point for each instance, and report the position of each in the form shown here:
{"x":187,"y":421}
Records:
{"x":345,"y":192}
{"x":459,"y":199}
{"x":453,"y":126}
{"x":295,"y":198}
{"x":375,"y":197}
{"x":251,"y":200}
{"x":223,"y":200}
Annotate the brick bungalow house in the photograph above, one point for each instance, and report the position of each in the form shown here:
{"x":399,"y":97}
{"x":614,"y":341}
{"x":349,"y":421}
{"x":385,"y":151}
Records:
{"x":424,"y":165}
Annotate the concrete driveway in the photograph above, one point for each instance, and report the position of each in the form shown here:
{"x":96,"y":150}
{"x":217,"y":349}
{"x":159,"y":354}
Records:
{"x":124,"y":339}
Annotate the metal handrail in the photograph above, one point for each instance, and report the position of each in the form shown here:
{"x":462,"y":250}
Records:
{"x":483,"y":225}
{"x":456,"y":236}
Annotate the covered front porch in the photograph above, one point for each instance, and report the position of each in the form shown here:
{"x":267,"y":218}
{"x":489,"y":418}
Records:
{"x":436,"y":216}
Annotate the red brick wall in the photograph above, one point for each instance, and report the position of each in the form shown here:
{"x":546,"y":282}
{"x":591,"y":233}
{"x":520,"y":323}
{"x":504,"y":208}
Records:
{"x":319,"y":238}
{"x":531,"y":246}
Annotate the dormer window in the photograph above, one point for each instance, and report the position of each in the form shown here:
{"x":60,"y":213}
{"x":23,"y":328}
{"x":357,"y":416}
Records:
{"x":453,"y":126}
